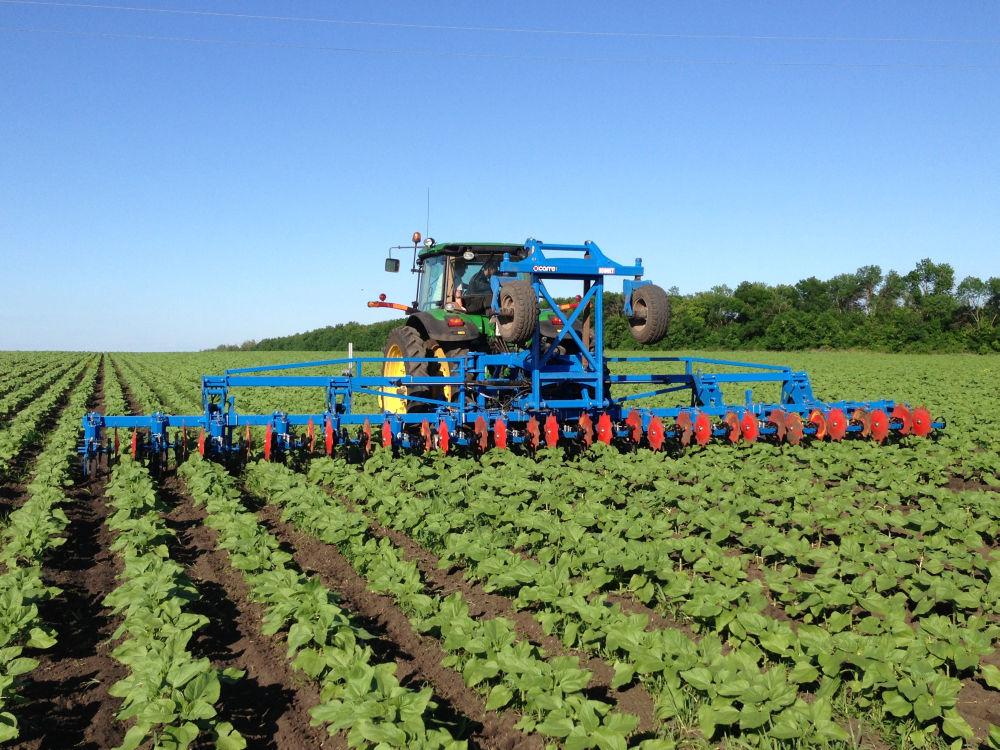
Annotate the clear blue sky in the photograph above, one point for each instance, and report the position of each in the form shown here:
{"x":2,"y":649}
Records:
{"x":160,"y":194}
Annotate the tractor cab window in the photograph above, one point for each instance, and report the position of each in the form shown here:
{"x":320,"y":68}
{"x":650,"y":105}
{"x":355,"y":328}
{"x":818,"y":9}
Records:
{"x":431,"y":293}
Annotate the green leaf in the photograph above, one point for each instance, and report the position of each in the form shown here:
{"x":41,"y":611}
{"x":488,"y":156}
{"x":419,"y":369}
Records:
{"x":699,"y":678}
{"x":803,"y":672}
{"x":38,"y":638}
{"x":994,"y":737}
{"x":925,"y":710}
{"x":227,"y":738}
{"x":990,"y":675}
{"x":896,"y":704}
{"x":499,"y":697}
{"x":624,"y":674}
{"x":955,"y":726}
{"x":8,"y":726}
{"x":709,"y":717}
{"x":752,"y":717}
{"x":555,"y":725}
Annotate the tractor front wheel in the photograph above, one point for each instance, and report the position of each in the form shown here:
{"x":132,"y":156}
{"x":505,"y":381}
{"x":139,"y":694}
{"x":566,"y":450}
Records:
{"x":405,"y":342}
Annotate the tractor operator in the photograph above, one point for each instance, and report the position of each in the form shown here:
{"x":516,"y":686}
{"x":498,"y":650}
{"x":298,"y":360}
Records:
{"x":476,"y":295}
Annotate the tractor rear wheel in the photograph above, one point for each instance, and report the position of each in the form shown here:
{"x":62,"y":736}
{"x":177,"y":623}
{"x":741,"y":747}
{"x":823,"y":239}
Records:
{"x":405,"y":342}
{"x":518,"y":314}
{"x":650,"y":314}
{"x":446,"y":370}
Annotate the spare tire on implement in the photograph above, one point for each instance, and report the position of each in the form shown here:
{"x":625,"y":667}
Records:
{"x":517,"y":317}
{"x":650,"y":314}
{"x":405,"y":341}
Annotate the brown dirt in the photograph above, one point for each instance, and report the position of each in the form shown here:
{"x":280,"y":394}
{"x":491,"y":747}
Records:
{"x":979,"y":705}
{"x":270,"y":705}
{"x":959,"y":484}
{"x":418,"y":657}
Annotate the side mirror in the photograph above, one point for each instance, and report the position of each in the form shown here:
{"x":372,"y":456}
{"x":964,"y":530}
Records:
{"x":392,"y":265}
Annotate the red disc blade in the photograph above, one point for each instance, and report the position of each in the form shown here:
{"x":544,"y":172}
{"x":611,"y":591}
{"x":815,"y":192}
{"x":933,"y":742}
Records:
{"x":793,"y":428}
{"x":901,"y":413}
{"x":328,"y":436}
{"x":116,"y":441}
{"x":386,"y":434}
{"x":702,"y":429}
{"x":836,"y":424}
{"x":551,"y":431}
{"x":586,"y":429}
{"x":779,"y":419}
{"x":135,"y":442}
{"x":311,"y":434}
{"x":879,"y":425}
{"x":921,"y":422}
{"x":655,"y":433}
{"x":425,"y":432}
{"x":634,"y":420}
{"x":444,"y":439}
{"x":534,"y":435}
{"x":685,"y":426}
{"x":749,"y":427}
{"x":500,"y":434}
{"x":604,"y":433}
{"x":267,"y":442}
{"x":733,"y":422}
{"x":817,"y":419}
{"x":366,"y":437}
{"x":246,"y":438}
{"x":863,"y":418}
{"x":482,"y":433}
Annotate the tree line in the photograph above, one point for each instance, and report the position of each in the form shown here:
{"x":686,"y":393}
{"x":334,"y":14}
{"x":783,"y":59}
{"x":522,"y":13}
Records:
{"x":924,"y":310}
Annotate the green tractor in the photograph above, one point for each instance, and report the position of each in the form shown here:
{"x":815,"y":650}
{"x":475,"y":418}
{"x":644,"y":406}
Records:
{"x":453,"y":313}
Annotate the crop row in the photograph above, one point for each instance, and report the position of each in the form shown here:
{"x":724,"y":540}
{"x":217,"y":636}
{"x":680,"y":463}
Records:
{"x":23,"y":429}
{"x":360,"y":697}
{"x":17,"y":371}
{"x":169,"y":693}
{"x":30,"y":532}
{"x":32,"y":385}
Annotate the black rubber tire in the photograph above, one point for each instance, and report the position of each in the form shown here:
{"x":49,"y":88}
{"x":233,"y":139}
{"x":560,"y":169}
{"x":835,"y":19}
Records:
{"x":411,"y":343}
{"x":517,"y":317}
{"x":650,"y":314}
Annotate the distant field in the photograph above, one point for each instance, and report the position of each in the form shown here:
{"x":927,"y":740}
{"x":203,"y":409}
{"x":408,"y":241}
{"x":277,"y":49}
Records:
{"x":821,"y":595}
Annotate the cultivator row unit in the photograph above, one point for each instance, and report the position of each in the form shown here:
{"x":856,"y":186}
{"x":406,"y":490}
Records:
{"x":526,"y":371}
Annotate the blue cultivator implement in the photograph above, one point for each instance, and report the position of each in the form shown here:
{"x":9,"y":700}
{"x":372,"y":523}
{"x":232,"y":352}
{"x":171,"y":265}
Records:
{"x":507,"y":365}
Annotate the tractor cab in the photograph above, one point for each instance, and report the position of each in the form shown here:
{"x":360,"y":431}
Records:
{"x":456,"y":276}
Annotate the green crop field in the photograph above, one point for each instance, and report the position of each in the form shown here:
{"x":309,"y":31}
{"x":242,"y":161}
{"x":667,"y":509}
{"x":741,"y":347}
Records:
{"x":752,"y":595}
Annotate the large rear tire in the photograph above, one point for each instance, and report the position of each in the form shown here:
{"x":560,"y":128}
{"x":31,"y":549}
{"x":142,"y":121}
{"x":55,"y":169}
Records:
{"x":517,"y":317}
{"x":405,"y":342}
{"x":650,"y":314}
